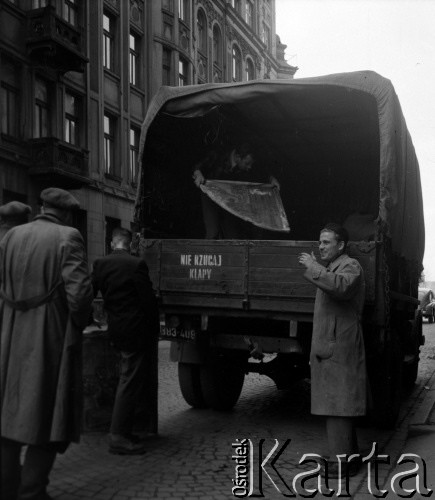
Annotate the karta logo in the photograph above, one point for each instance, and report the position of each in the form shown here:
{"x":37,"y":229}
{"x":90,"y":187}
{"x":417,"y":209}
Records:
{"x":255,"y":464}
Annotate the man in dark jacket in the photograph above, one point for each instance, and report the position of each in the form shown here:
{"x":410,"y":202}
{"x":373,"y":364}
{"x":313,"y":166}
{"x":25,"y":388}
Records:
{"x":45,"y":300}
{"x":233,"y":165}
{"x":133,"y":328}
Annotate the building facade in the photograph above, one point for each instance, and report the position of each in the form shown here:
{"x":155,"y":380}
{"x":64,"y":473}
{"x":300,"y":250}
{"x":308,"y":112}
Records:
{"x":76,"y":78}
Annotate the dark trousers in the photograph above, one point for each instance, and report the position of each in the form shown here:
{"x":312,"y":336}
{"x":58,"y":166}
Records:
{"x":220,"y":224}
{"x":29,"y":482}
{"x":130,"y":391}
{"x":342,"y":438}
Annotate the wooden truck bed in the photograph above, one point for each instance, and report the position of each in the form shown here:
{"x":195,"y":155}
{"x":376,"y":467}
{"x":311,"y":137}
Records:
{"x":238,"y":275}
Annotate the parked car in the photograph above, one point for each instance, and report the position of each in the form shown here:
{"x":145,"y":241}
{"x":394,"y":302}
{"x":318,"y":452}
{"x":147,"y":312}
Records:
{"x":427,"y":303}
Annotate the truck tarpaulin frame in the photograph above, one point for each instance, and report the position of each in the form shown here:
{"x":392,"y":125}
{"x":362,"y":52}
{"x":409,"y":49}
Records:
{"x":400,"y":199}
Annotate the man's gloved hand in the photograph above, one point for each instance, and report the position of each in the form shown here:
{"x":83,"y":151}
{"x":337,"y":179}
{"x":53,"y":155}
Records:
{"x":198,"y":178}
{"x":255,"y":350}
{"x":273,"y":181}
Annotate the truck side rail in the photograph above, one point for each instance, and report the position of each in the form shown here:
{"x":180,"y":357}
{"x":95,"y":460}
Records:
{"x":261,"y":275}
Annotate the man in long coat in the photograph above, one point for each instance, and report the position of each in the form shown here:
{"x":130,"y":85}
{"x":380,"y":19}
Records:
{"x":13,"y":214}
{"x":337,"y":359}
{"x":45,"y":301}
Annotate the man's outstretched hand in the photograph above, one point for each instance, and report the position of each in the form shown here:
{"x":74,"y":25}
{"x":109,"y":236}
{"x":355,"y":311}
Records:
{"x":307,"y":259}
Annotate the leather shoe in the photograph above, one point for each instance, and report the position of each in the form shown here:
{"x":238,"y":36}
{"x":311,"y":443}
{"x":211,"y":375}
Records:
{"x":121,"y":445}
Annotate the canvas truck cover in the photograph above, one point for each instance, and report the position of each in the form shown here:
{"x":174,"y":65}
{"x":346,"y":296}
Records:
{"x":310,"y":118}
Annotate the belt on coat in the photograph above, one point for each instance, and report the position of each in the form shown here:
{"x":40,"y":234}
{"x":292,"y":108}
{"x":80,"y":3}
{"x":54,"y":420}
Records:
{"x":32,"y":302}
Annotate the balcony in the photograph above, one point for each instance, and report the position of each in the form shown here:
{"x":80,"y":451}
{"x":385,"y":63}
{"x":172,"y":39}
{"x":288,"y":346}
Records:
{"x":58,"y":163}
{"x":51,"y":40}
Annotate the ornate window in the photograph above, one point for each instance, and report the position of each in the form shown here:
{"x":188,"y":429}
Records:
{"x":134,"y":153}
{"x":9,"y":98}
{"x":201,"y":23}
{"x":250,"y":69}
{"x":166,"y":67}
{"x":70,"y":11}
{"x":236,"y":64}
{"x":108,"y":41}
{"x":202,"y":62}
{"x":41,"y":123}
{"x":72,"y":117}
{"x":182,"y":72}
{"x":134,"y":59}
{"x":236,"y":5}
{"x":109,"y":144}
{"x":183,"y":10}
{"x":249,"y":13}
{"x":265,"y":36}
{"x":168,"y":27}
{"x":217,"y":54}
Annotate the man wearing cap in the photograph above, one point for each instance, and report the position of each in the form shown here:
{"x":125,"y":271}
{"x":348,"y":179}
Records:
{"x":45,"y":301}
{"x":13,"y":214}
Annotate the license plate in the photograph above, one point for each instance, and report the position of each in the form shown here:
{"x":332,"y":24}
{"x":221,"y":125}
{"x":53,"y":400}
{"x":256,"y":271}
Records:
{"x":187,"y":335}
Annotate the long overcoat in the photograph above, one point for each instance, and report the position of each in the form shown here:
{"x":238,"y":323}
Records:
{"x":45,"y":301}
{"x":4,"y":228}
{"x":337,"y":359}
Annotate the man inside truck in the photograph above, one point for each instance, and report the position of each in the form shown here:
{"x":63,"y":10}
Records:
{"x":233,"y":165}
{"x":337,"y":358}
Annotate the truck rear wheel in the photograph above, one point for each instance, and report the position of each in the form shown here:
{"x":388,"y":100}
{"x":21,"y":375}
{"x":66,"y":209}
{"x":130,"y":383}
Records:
{"x":190,"y":384}
{"x":221,"y":383}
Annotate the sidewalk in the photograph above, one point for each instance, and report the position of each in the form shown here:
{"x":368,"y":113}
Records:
{"x":418,"y":441}
{"x":421,"y":433}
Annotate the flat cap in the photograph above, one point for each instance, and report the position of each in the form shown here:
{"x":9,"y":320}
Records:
{"x":59,"y":198}
{"x":14,"y":209}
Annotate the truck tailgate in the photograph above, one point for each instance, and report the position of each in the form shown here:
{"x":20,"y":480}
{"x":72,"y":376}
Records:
{"x":262,"y":275}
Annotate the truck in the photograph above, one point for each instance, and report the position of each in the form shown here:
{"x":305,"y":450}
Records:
{"x":341,"y":150}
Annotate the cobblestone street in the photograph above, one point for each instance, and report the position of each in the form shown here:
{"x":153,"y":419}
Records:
{"x":191,"y":458}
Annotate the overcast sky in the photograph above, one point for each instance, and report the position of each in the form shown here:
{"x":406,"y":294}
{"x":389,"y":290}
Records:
{"x":395,"y":38}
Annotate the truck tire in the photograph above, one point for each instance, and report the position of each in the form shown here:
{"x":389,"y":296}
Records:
{"x":221,"y":383}
{"x":190,"y":384}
